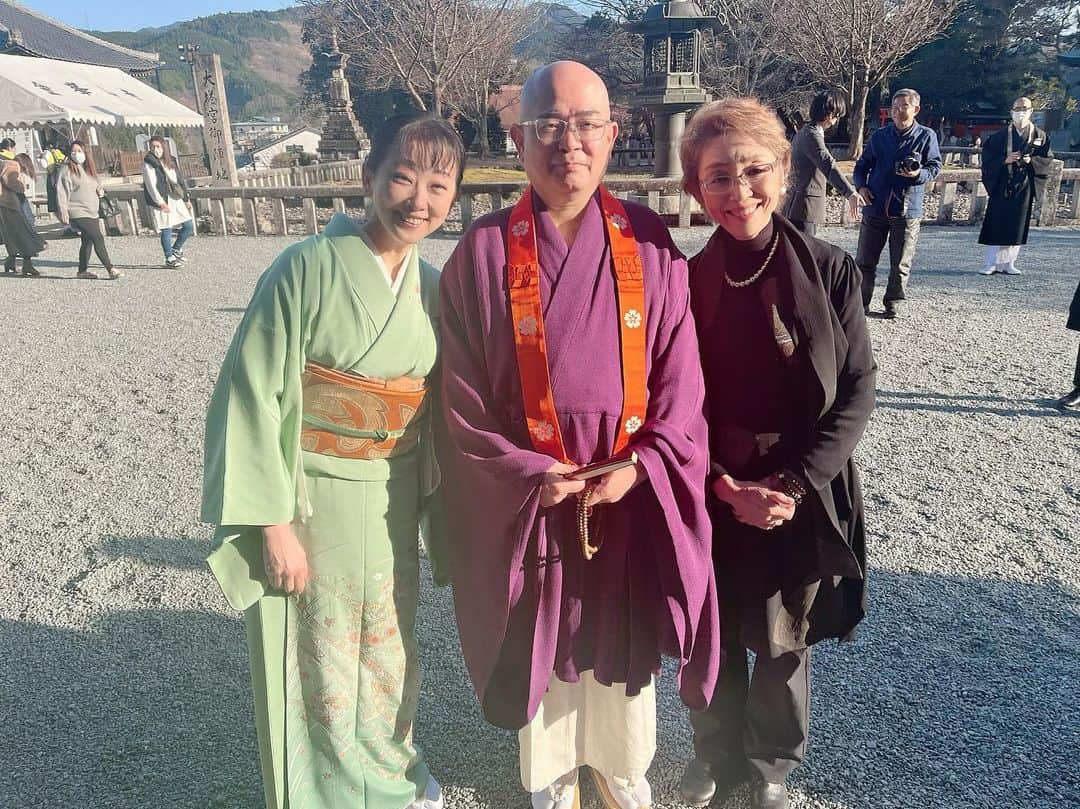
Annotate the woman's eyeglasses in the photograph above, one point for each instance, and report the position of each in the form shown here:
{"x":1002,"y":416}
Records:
{"x":754,"y":177}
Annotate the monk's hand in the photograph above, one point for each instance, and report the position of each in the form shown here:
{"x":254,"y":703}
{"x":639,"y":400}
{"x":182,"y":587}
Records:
{"x":754,"y":503}
{"x":556,"y":487}
{"x":1012,"y":157}
{"x":866,"y":195}
{"x":284,"y":559}
{"x":614,"y":486}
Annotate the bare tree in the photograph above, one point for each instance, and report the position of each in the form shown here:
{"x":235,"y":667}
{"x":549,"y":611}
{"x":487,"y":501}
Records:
{"x":858,"y":42}
{"x":486,"y":69}
{"x":743,"y":55}
{"x":420,"y":46}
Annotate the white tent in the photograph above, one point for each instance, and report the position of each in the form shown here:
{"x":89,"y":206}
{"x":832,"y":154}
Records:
{"x":36,"y":91}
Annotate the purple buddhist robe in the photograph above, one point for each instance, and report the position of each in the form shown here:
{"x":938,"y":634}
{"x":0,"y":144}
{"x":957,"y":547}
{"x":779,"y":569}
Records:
{"x":528,"y":604}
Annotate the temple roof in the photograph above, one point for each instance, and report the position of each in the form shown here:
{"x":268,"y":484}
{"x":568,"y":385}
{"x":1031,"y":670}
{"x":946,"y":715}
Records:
{"x":25,"y":32}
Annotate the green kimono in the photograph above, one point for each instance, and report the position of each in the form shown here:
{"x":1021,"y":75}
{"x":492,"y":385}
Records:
{"x":335,"y":669}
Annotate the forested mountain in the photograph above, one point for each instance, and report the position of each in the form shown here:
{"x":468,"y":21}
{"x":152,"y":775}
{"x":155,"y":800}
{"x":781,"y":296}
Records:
{"x":261,"y":52}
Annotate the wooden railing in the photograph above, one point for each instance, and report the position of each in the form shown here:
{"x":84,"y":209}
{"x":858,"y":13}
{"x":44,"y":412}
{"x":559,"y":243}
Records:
{"x":955,"y":197}
{"x":339,"y":171}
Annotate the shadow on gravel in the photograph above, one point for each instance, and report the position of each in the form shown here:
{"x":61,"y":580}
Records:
{"x":186,"y":553}
{"x":909,"y":400}
{"x":959,"y":692}
{"x":129,"y":714}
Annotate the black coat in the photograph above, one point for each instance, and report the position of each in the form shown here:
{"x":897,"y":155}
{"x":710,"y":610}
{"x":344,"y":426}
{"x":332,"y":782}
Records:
{"x":812,"y":168}
{"x":830,"y":328}
{"x":1012,"y":189}
{"x":1074,"y":311}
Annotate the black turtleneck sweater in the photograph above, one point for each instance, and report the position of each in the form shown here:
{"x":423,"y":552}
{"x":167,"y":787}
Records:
{"x":748,"y":381}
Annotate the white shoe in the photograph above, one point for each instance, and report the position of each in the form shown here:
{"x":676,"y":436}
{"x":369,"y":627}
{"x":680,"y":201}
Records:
{"x":988,"y":270}
{"x":563,"y":794}
{"x":618,"y":793}
{"x":1010,"y":269}
{"x":432,"y":797}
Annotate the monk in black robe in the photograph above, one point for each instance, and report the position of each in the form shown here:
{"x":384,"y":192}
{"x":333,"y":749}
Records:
{"x":1015,"y":160}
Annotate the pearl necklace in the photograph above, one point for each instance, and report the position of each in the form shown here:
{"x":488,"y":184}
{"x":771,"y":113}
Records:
{"x":757,"y":275}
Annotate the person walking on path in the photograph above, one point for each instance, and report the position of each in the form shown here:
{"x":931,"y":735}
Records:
{"x":1071,"y":400}
{"x":318,"y":463}
{"x":1015,"y":159}
{"x":16,"y":216}
{"x":575,"y":347}
{"x":789,"y":386}
{"x":167,"y":197}
{"x":78,"y":199}
{"x":813,"y":166}
{"x":891,"y":175}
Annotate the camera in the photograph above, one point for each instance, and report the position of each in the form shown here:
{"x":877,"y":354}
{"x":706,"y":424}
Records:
{"x":908,"y":164}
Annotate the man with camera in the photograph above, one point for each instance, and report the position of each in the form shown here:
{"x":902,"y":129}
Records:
{"x":891,"y":176}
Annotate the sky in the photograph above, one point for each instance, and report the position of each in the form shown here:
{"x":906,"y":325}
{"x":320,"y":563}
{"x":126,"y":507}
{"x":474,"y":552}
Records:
{"x":126,"y":15}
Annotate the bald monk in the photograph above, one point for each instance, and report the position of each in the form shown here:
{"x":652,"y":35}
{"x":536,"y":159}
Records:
{"x":568,"y":340}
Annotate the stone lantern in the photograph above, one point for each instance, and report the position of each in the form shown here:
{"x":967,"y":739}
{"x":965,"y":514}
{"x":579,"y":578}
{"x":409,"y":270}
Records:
{"x":672,"y":85}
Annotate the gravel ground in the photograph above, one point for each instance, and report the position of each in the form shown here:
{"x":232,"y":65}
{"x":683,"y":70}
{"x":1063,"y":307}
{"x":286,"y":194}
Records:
{"x":124,"y":682}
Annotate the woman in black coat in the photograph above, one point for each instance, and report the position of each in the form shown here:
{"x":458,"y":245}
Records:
{"x":789,"y":377}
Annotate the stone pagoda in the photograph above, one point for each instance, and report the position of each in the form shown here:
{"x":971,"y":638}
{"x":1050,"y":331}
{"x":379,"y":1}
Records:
{"x":343,"y":138}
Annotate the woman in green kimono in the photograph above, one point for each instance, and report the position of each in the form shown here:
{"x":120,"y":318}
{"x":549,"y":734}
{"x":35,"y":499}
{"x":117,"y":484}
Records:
{"x":318,"y":462}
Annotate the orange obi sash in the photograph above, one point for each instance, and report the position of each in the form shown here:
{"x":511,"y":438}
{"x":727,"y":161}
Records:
{"x":523,"y":281}
{"x":350,"y":416}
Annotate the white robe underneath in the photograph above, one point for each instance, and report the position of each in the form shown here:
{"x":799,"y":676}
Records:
{"x":586,"y":723}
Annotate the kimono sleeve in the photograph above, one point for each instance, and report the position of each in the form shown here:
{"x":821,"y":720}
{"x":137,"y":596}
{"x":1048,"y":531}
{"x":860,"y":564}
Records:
{"x":253,"y":422}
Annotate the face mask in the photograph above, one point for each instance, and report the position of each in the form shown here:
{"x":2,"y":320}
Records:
{"x":43,"y":162}
{"x":158,"y":152}
{"x":1021,"y":117}
{"x":79,"y":157}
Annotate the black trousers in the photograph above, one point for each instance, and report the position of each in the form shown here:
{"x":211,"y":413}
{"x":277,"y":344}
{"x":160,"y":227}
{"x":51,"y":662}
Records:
{"x":93,"y":238}
{"x":1076,"y":373}
{"x":806,"y":228}
{"x":761,"y":720}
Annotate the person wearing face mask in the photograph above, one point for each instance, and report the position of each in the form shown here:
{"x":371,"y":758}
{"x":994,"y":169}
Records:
{"x":7,"y":149}
{"x":167,"y":197}
{"x":1014,"y":160}
{"x":891,"y":175}
{"x":78,"y":199}
{"x":813,"y":166}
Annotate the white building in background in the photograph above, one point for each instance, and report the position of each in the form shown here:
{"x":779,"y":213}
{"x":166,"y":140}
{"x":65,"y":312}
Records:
{"x":305,"y":139}
{"x":246,"y":134}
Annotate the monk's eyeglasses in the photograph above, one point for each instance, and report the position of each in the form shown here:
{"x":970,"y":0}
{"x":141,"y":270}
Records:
{"x":552,"y":130}
{"x":754,"y":176}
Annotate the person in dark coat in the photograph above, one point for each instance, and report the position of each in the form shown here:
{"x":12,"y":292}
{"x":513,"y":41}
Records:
{"x":1014,"y":160}
{"x":813,"y":166}
{"x":789,"y":380}
{"x":1071,"y":400}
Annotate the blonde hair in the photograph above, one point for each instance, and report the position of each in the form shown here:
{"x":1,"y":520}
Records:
{"x":745,"y":116}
